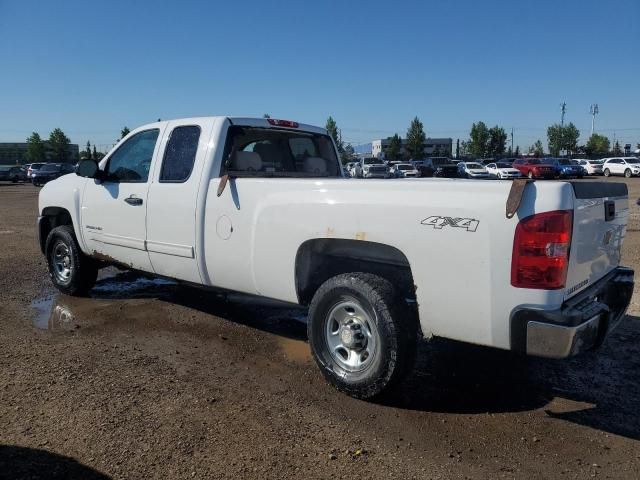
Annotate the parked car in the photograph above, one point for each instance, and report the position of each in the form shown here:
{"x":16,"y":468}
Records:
{"x":592,"y":167}
{"x":627,"y":166}
{"x":503,"y":170}
{"x":534,"y":168}
{"x":565,"y":169}
{"x":403,"y":170}
{"x":437,"y":167}
{"x":50,"y":171}
{"x":365,"y":260}
{"x":33,"y":167}
{"x":472,"y":170}
{"x":371,"y":167}
{"x":12,"y":174}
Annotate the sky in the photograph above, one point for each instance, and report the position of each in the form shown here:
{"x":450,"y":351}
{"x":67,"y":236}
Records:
{"x":91,"y":68}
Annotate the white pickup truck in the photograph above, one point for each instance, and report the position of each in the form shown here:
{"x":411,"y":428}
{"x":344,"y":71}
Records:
{"x":260,"y":206}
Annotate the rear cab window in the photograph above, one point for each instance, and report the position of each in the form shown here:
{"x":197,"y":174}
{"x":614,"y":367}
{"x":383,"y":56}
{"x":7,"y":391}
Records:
{"x":180,"y":154}
{"x":273,"y":152}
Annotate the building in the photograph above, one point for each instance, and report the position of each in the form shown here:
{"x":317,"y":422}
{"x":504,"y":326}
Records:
{"x":436,"y":147}
{"x":15,"y":153}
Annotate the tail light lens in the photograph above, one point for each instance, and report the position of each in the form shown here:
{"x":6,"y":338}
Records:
{"x":541,"y":250}
{"x":282,"y":123}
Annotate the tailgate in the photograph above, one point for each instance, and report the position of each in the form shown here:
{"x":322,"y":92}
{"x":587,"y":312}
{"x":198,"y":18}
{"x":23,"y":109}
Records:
{"x":601,"y":212}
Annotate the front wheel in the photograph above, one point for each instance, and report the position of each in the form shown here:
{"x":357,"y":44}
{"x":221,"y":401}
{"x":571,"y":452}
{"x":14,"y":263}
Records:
{"x":71,"y":271}
{"x":607,"y":173}
{"x":360,"y":335}
{"x":627,"y":173}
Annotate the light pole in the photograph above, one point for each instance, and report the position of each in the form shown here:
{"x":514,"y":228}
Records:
{"x":593,"y":110}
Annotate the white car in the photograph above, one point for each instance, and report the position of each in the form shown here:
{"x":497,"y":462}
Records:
{"x":472,"y":170}
{"x":403,"y":170}
{"x":627,"y":166}
{"x":503,"y":170}
{"x":260,"y":206}
{"x":592,"y":167}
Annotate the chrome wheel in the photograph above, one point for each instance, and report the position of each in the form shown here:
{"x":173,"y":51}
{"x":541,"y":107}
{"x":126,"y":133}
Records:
{"x":351,"y":335}
{"x":62,"y":262}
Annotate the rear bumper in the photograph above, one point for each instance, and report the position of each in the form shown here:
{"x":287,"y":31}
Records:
{"x":582,"y":323}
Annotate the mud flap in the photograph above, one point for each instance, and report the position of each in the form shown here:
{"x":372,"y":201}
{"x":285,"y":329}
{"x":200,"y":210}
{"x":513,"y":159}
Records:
{"x":515,"y":195}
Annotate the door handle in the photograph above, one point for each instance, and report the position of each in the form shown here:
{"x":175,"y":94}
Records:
{"x":133,"y":200}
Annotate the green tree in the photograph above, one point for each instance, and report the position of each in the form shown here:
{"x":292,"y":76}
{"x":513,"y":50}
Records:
{"x":538,"y":150}
{"x":59,"y":144}
{"x":616,"y":148}
{"x":95,"y":154}
{"x":415,"y":140}
{"x":479,"y":140}
{"x":497,"y":141}
{"x":517,"y":152}
{"x":348,"y":154}
{"x":36,"y":151}
{"x":332,"y":128}
{"x":562,"y":138}
{"x":86,"y":154}
{"x":597,"y":145}
{"x":124,"y":132}
{"x":266,"y":115}
{"x":392,"y":150}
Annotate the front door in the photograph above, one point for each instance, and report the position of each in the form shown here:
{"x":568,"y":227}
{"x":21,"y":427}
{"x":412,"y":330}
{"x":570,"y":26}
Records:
{"x":113,"y":213}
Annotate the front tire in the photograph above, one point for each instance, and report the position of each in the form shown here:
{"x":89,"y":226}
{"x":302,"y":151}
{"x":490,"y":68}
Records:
{"x":71,"y":271}
{"x":627,"y":173}
{"x":607,"y":173}
{"x":360,"y":335}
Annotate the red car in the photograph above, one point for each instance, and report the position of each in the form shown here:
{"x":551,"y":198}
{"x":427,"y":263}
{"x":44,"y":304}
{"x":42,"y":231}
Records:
{"x":534,"y":168}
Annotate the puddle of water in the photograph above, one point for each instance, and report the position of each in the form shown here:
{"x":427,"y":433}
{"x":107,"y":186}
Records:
{"x":295,"y":350}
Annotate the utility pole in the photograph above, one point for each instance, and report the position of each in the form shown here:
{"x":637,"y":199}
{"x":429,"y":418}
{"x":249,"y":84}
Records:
{"x":563,"y":110}
{"x":593,"y":110}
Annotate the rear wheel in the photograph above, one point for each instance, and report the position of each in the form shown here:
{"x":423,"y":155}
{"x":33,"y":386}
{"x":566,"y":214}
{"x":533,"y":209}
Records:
{"x":71,"y":271}
{"x":627,"y":173}
{"x":361,"y":337}
{"x":607,"y":173}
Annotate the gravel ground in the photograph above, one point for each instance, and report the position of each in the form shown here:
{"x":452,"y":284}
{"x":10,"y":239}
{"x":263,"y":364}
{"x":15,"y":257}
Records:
{"x":148,"y":379}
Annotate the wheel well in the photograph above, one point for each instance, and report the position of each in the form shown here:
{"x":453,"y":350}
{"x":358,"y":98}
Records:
{"x":320,"y":259}
{"x":52,"y":217}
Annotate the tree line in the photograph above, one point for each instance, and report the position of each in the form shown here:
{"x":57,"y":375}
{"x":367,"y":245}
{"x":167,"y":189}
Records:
{"x":58,"y":147}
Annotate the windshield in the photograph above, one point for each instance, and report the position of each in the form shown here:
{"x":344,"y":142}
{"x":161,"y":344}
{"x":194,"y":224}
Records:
{"x":371,"y":161}
{"x":474,"y":166}
{"x":36,"y":166}
{"x":436,"y":162}
{"x":5,"y":169}
{"x":405,"y":167}
{"x":633,"y":160}
{"x":596,"y":162}
{"x":504,"y":165}
{"x":564,"y":162}
{"x":50,"y":168}
{"x":534,"y":161}
{"x":274,"y":152}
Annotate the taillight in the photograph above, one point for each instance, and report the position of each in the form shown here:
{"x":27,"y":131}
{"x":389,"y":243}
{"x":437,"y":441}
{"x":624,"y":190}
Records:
{"x":541,"y":250}
{"x":282,"y":123}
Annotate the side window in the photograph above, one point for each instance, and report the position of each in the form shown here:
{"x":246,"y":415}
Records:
{"x":180,"y":154}
{"x":131,"y":162}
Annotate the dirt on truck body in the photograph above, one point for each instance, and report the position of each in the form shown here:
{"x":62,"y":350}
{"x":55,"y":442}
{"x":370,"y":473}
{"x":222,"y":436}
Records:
{"x":147,"y":378}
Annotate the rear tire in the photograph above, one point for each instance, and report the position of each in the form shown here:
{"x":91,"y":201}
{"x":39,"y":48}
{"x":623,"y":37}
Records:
{"x":627,"y":173}
{"x":362,"y":336}
{"x":607,"y":173}
{"x":71,"y":271}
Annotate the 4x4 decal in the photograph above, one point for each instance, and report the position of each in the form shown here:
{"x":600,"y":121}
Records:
{"x":469,"y":224}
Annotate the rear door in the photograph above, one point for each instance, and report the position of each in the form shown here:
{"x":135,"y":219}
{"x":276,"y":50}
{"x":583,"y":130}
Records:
{"x":171,"y":213}
{"x":601,"y":213}
{"x":113,"y":213}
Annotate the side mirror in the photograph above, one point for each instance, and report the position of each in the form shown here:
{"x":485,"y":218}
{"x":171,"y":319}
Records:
{"x":88,"y":169}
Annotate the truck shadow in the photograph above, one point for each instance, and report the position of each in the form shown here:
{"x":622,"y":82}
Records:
{"x":599,"y":389}
{"x":22,"y":462}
